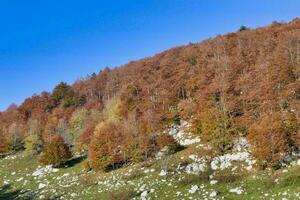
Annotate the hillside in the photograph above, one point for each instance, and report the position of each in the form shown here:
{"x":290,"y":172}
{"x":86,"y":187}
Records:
{"x":225,"y":110}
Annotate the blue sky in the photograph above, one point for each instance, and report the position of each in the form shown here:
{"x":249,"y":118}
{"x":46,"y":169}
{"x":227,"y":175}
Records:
{"x":44,"y":42}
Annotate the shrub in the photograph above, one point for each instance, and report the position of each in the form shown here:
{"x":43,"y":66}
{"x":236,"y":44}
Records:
{"x":86,"y":165}
{"x":165,"y":140}
{"x":268,"y":138}
{"x":174,"y":147}
{"x":134,"y":151}
{"x":33,"y":144}
{"x":122,"y":195}
{"x":55,"y":152}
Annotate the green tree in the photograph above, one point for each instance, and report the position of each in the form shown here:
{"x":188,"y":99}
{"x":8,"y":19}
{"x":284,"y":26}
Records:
{"x":60,"y":92}
{"x":77,"y":124}
{"x":33,"y":144}
{"x":243,"y":28}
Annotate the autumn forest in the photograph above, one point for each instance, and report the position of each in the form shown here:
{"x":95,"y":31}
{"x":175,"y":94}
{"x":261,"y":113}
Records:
{"x":242,"y":84}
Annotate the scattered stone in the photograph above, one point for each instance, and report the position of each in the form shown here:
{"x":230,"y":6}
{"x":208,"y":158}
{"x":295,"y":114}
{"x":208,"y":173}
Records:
{"x":213,"y":194}
{"x":194,"y":189}
{"x":237,"y":190}
{"x":42,"y":185}
{"x":163,"y":173}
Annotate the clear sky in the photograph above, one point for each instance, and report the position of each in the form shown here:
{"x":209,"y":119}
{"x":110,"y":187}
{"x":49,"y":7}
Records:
{"x":44,"y":42}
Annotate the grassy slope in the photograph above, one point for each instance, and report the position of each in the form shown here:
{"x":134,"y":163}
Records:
{"x":125,"y":182}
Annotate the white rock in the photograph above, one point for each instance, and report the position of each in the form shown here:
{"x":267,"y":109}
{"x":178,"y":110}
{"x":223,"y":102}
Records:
{"x":163,"y":173}
{"x":144,"y":195}
{"x":237,"y":190}
{"x":20,"y":179}
{"x":213,"y":194}
{"x":194,"y":189}
{"x":42,"y":185}
{"x":55,"y":170}
{"x":73,"y":195}
{"x":6,"y":182}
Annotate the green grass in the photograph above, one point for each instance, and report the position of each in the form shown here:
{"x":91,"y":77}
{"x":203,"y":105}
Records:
{"x":122,"y":184}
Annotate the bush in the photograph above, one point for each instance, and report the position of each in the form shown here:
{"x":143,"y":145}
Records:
{"x":269,"y":139}
{"x":55,"y":152}
{"x":33,"y":144}
{"x":165,"y":140}
{"x":86,"y":165}
{"x":134,"y":151}
{"x":122,"y":195}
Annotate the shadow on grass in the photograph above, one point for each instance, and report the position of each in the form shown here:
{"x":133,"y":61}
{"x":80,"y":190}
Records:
{"x":7,"y":194}
{"x":75,"y":161}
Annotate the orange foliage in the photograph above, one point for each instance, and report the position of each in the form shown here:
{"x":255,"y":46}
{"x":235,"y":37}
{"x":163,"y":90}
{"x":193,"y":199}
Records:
{"x":268,"y":138}
{"x":106,"y":146}
{"x":247,"y":74}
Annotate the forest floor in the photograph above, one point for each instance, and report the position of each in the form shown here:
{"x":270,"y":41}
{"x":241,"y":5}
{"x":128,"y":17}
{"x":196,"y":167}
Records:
{"x":21,"y":177}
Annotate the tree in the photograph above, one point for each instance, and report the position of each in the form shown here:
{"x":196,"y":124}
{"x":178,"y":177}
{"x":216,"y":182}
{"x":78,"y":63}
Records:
{"x":243,"y":28}
{"x":60,"y":92}
{"x":215,"y":128}
{"x":50,"y":127}
{"x":63,"y":130}
{"x":34,"y":141}
{"x":91,"y":122}
{"x":16,"y":138}
{"x":55,"y":152}
{"x":3,"y":144}
{"x":268,"y":138}
{"x":77,"y":124}
{"x":33,"y":144}
{"x":106,"y":146}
